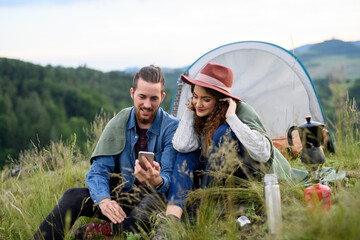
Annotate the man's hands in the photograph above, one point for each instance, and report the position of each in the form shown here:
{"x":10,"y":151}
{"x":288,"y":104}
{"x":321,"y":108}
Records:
{"x":232,"y":106}
{"x":112,"y":210}
{"x":150,"y":175}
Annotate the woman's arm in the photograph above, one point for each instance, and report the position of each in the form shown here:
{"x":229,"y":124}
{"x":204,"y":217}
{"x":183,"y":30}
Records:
{"x":185,"y":138}
{"x":257,"y":145}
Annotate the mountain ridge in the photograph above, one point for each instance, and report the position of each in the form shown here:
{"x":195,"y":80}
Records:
{"x":329,"y":47}
{"x":331,"y":57}
{"x":327,"y":43}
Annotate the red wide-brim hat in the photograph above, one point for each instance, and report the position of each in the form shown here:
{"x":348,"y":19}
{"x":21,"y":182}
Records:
{"x":214,"y":76}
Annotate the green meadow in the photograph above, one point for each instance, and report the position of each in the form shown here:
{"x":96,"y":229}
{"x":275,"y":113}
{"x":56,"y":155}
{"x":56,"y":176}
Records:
{"x":45,"y":173}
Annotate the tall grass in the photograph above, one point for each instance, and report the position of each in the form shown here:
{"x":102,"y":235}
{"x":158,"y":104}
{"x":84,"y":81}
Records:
{"x":347,"y":135}
{"x":46,"y":173}
{"x":28,"y":198}
{"x":93,"y":134}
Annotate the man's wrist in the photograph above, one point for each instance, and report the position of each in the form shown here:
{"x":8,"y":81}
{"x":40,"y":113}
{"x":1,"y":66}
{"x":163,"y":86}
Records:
{"x":99,"y":197}
{"x":104,"y":200}
{"x":101,"y":202}
{"x":157,"y":187}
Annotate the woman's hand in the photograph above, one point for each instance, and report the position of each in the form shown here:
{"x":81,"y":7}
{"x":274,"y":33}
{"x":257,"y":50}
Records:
{"x":232,"y":106}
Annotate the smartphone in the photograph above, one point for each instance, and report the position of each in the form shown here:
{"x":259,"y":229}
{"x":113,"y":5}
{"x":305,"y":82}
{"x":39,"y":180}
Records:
{"x":148,"y":155}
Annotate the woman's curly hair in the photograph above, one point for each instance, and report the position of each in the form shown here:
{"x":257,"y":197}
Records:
{"x":206,"y":126}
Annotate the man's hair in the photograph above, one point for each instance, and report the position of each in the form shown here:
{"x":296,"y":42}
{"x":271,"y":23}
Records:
{"x":150,"y":74}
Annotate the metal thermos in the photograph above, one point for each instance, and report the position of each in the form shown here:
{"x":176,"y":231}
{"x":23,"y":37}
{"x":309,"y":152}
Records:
{"x":273,"y":204}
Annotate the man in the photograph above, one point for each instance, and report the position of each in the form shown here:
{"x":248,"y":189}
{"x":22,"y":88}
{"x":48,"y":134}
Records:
{"x":144,"y":127}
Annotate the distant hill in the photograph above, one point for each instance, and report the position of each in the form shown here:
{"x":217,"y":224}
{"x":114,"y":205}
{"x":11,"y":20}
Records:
{"x":357,"y":43}
{"x":330,"y":48}
{"x":172,"y":75}
{"x":302,"y":48}
{"x":131,"y":69}
{"x":331,"y":57}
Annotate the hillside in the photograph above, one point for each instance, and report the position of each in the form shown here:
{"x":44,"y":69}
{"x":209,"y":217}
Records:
{"x":332,"y":57}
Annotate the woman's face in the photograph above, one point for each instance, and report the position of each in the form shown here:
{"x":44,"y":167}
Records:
{"x":203,"y":102}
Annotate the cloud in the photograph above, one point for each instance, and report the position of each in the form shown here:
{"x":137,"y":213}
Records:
{"x":17,"y":3}
{"x":113,"y":34}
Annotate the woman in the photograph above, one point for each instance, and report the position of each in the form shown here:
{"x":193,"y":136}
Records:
{"x":212,"y":116}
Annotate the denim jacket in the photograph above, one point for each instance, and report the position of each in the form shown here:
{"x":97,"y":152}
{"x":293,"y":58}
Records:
{"x":159,"y":136}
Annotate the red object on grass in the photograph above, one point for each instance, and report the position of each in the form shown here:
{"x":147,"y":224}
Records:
{"x":318,"y":194}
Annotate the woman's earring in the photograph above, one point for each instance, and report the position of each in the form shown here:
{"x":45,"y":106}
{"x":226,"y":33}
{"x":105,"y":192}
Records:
{"x":189,"y":101}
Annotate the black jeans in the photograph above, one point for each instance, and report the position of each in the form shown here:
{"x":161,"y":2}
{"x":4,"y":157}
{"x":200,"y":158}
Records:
{"x":138,"y":205}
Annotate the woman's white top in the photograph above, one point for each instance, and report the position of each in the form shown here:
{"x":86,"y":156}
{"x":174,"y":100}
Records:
{"x":187,"y":140}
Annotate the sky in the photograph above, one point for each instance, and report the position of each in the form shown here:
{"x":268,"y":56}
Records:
{"x":117,"y":34}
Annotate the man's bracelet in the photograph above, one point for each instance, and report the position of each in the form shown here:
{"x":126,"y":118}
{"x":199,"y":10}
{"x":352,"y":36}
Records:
{"x":157,"y":187}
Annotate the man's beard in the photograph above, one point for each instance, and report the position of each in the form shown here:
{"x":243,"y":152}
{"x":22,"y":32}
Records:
{"x":145,"y":120}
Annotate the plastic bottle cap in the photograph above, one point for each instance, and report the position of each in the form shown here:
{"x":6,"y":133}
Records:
{"x":243,"y":220}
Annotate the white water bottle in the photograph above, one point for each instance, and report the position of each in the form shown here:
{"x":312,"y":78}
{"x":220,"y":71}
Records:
{"x":273,"y":204}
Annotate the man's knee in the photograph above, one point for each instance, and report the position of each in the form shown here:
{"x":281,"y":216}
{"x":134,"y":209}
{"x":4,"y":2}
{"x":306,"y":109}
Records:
{"x":75,"y":196}
{"x":76,"y":192}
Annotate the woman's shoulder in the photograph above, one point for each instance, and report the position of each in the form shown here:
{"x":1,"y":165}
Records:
{"x":244,"y":108}
{"x":249,"y":116}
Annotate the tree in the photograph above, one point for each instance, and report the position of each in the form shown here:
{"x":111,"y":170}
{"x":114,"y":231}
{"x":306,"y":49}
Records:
{"x":354,"y":91}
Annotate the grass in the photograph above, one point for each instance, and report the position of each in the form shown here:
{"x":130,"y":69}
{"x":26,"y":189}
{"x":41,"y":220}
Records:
{"x":29,"y":197}
{"x":46,"y":173}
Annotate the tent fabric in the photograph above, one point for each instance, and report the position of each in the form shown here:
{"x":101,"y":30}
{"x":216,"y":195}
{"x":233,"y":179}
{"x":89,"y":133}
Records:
{"x":271,"y":79}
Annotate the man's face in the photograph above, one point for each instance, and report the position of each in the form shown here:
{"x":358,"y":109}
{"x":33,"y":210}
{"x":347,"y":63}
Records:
{"x":147,"y":99}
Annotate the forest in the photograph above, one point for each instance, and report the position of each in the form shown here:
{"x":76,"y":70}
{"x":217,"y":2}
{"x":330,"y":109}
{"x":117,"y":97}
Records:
{"x":42,"y":104}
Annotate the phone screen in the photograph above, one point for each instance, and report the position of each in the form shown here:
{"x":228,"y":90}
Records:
{"x":148,"y":155}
